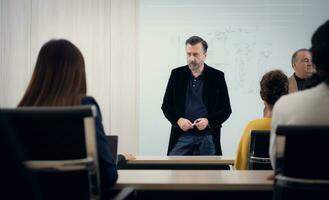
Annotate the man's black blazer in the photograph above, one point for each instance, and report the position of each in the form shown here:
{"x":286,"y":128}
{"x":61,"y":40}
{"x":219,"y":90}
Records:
{"x":215,"y":97}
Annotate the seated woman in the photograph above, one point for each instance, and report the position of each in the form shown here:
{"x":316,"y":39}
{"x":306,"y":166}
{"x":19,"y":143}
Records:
{"x":59,"y":79}
{"x":273,"y":85}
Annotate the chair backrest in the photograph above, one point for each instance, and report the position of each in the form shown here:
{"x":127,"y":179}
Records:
{"x":259,"y":158}
{"x":302,"y":150}
{"x":113,"y":142}
{"x":60,"y":148}
{"x":301,"y":166}
{"x":17,"y":182}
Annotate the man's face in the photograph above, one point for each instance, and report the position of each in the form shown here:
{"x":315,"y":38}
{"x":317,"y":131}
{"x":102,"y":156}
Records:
{"x":195,"y":56}
{"x":303,"y":65}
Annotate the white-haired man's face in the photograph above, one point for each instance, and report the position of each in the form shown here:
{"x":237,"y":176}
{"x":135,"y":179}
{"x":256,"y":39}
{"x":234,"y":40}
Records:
{"x":303,"y":65}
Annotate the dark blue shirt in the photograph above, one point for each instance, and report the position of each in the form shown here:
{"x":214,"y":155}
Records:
{"x":107,"y":167}
{"x":194,"y":106}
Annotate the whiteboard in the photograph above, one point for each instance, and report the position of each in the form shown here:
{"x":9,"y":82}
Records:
{"x":245,"y":38}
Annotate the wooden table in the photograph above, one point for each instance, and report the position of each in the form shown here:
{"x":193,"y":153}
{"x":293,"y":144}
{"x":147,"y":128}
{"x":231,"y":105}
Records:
{"x":197,"y":183}
{"x":195,"y":179}
{"x":180,"y":162}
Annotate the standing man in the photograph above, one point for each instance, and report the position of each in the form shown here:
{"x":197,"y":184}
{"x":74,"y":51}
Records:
{"x":196,"y":103}
{"x":303,"y":78}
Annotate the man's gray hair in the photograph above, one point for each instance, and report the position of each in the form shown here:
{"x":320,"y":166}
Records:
{"x":294,"y":56}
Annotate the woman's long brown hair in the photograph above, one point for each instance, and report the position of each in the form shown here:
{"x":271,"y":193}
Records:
{"x":59,"y":77}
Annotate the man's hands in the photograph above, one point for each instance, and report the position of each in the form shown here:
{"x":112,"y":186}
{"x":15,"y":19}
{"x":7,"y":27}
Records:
{"x":186,"y":124}
{"x":201,"y":123}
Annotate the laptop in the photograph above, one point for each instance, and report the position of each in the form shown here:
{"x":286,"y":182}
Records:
{"x":113,"y":142}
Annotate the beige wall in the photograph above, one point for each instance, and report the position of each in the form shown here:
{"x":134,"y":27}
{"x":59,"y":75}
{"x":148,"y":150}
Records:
{"x":104,"y":30}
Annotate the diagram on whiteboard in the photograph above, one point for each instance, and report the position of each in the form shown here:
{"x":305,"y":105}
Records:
{"x":239,"y":52}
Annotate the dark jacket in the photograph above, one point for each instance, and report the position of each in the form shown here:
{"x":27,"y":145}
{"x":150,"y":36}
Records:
{"x":107,"y":167}
{"x":215,"y":97}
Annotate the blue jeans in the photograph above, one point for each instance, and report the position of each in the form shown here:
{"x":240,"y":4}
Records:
{"x":194,"y":144}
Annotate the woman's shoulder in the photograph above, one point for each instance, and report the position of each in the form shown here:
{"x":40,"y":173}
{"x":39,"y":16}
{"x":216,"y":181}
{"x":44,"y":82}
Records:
{"x":88,"y":100}
{"x":260,"y":123}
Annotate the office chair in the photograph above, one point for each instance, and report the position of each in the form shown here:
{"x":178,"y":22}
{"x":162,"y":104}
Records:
{"x":60,"y":148}
{"x":259,"y":158}
{"x":17,"y":182}
{"x":302,"y":171}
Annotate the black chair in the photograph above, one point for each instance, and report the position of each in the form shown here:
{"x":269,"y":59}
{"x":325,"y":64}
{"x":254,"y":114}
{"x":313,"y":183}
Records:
{"x":60,"y":149}
{"x":17,"y":182}
{"x":302,"y":168}
{"x":259,"y":158}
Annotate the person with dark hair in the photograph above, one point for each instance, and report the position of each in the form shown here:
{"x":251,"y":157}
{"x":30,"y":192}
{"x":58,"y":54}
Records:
{"x":303,"y":77}
{"x":59,"y":79}
{"x":308,"y":107}
{"x":196,"y":103}
{"x":273,"y":85}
